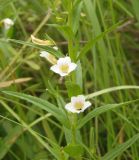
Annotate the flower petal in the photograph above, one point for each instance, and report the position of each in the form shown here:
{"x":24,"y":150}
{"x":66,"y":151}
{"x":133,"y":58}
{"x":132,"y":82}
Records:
{"x":49,"y":57}
{"x":8,"y":23}
{"x":72,"y":67}
{"x":44,"y":54}
{"x":55,"y":69}
{"x":70,"y":108}
{"x":64,"y":66}
{"x":55,"y":47}
{"x":78,"y":104}
{"x":81,"y":98}
{"x":73,"y":100}
{"x":65,"y":60}
{"x":86,"y":105}
{"x":63,"y":74}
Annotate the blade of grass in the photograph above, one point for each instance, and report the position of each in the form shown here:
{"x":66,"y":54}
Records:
{"x":135,"y":4}
{"x":98,"y":93}
{"x":49,"y":49}
{"x":43,"y":104}
{"x":4,"y":3}
{"x":44,"y":144}
{"x":117,"y":151}
{"x":92,"y":42}
{"x":100,"y":110}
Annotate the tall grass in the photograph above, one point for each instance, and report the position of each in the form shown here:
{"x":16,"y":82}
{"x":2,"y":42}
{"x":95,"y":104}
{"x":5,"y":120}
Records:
{"x":102,"y":38}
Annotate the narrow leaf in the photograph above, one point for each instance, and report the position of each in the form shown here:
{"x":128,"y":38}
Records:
{"x":100,"y":110}
{"x":91,"y":43}
{"x":107,"y":90}
{"x":43,"y":104}
{"x":46,"y":48}
{"x":115,"y":152}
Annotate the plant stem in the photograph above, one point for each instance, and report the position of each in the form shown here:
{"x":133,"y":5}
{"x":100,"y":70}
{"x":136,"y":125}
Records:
{"x":70,"y":38}
{"x":74,"y":122}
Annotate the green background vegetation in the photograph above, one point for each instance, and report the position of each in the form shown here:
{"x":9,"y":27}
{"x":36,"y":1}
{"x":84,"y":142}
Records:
{"x":104,"y":36}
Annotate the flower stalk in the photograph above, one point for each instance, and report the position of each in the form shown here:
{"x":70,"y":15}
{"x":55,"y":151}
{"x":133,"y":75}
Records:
{"x":73,"y":128}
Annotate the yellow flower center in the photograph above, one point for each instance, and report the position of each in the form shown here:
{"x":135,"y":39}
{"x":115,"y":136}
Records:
{"x":64,"y":68}
{"x":78,"y":105}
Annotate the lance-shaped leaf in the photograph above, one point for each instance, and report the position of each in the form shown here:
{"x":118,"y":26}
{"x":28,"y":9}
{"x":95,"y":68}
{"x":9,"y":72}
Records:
{"x":42,"y":104}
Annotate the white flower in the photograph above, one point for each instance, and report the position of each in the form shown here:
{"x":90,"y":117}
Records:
{"x":7,"y":23}
{"x":55,"y":47}
{"x":64,"y":66}
{"x":49,"y":57}
{"x":77,"y":104}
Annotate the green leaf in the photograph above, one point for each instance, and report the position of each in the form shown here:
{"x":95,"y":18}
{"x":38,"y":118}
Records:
{"x":92,"y":42}
{"x":54,"y":151}
{"x":126,"y":120}
{"x":46,"y":48}
{"x":33,"y":65}
{"x":107,"y":90}
{"x":135,"y":5}
{"x":65,"y":30}
{"x":115,"y":152}
{"x":74,"y":150}
{"x":76,"y":13}
{"x":73,"y":89}
{"x":9,"y":140}
{"x":43,"y":104}
{"x":122,"y":6}
{"x":4,"y":3}
{"x":100,"y":110}
{"x":79,"y":76}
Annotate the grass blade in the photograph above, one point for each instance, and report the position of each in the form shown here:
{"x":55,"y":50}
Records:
{"x":101,"y":110}
{"x":92,"y":42}
{"x":49,"y":49}
{"x":120,"y":148}
{"x":107,"y":90}
{"x":4,"y":3}
{"x":43,"y":104}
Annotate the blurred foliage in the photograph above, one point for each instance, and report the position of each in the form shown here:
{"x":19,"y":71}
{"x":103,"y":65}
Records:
{"x":104,"y":35}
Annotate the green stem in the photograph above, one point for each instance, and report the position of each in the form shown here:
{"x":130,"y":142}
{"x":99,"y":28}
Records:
{"x":70,"y":40}
{"x":74,"y":123}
